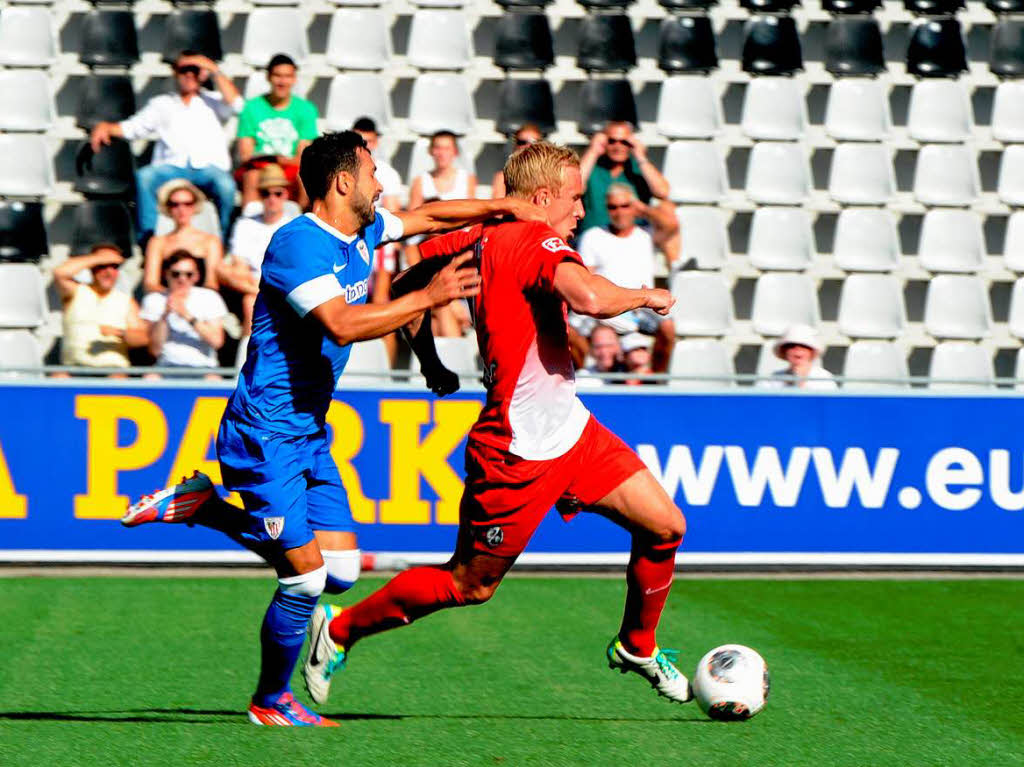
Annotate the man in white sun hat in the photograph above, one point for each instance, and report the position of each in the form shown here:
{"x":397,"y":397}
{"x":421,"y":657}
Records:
{"x":800,"y":349}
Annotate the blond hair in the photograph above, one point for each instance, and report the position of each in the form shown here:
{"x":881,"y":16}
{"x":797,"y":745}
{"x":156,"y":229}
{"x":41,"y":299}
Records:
{"x":537,"y":165}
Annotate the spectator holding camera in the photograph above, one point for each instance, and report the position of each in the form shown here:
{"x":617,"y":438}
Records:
{"x":180,"y":200}
{"x":188,"y":127}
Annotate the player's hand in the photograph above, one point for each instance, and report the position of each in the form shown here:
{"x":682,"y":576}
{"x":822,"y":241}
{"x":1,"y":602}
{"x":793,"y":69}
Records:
{"x":441,"y":380}
{"x":457,"y":280}
{"x":522,"y":210}
{"x":659,"y":300}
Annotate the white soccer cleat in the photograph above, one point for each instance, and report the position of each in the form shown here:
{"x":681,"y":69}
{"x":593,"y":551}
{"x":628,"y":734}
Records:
{"x":659,"y":669}
{"x":324,"y":657}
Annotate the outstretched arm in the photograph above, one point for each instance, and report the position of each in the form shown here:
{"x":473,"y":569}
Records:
{"x":440,"y":216}
{"x":594,"y":296}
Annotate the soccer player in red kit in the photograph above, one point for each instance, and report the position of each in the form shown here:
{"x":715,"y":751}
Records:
{"x":534,"y":445}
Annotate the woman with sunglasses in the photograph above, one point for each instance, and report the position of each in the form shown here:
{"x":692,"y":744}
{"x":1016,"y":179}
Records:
{"x":186,"y":324}
{"x":526,"y":135}
{"x":180,"y":200}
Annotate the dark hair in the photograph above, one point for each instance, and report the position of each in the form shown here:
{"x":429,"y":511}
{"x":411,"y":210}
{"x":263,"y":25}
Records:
{"x":280,"y":59}
{"x":530,"y":127}
{"x":184,"y":53}
{"x":326,"y":157}
{"x":180,"y":255}
{"x":365,"y":125}
{"x":445,"y":134}
{"x":107,"y":246}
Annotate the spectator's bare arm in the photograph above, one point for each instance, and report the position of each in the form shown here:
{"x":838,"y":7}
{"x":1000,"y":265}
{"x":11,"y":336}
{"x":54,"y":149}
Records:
{"x":246,"y":147}
{"x":223,"y":82}
{"x":236,"y":276}
{"x":658,"y":183}
{"x":498,"y":185}
{"x":151,"y":265}
{"x":214,"y":257}
{"x":135,"y":332}
{"x":415,"y":193}
{"x":598,"y":145}
{"x":64,"y":275}
{"x":103,"y":133}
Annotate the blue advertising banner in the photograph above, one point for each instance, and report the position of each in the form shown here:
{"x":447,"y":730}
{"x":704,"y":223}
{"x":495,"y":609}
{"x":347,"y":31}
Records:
{"x":761,"y":477}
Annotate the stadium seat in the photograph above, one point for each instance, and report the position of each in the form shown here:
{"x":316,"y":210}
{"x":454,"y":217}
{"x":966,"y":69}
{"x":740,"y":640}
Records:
{"x":1005,"y":6}
{"x":853,"y":46}
{"x":951,"y":241}
{"x":706,"y":242}
{"x":606,"y":43}
{"x":936,"y":48}
{"x":107,"y":173}
{"x":605,"y":100}
{"x":857,"y":110}
{"x":100,"y":221}
{"x":269,"y":31}
{"x":459,"y":355}
{"x":440,"y":101}
{"x":28,"y":103}
{"x":708,"y":360}
{"x":523,"y":41}
{"x":781,"y":300}
{"x":774,"y":109}
{"x":1008,"y":112}
{"x":358,"y":38}
{"x":957,"y":365}
{"x":438,"y":3}
{"x":956,"y":306}
{"x":878,"y":365}
{"x":850,"y":6}
{"x":529,"y":4}
{"x":695,"y":171}
{"x":688,"y":108}
{"x":687,"y":5}
{"x":1011,"y":175}
{"x":27,"y":37}
{"x":1007,"y":52}
{"x":22,"y":233}
{"x":940,"y":110}
{"x":866,"y":240}
{"x":946,"y":174}
{"x":366,"y":357}
{"x":772,"y":46}
{"x":686,"y":44}
{"x":769,"y":6}
{"x":1013,"y":245}
{"x":861,"y":174}
{"x":934,"y":7}
{"x":109,"y":39}
{"x":781,"y":238}
{"x":703,"y":304}
{"x":778,"y":173}
{"x":355,"y":95}
{"x":604,"y":4}
{"x":108,"y":98}
{"x":871,"y":306}
{"x":28,"y":168}
{"x":193,"y":30}
{"x":525,"y":101}
{"x":22,"y":296}
{"x":1015,"y":322}
{"x":439,"y":39}
{"x":19,"y":349}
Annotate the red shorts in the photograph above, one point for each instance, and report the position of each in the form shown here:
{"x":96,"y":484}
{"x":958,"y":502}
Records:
{"x":506,"y":497}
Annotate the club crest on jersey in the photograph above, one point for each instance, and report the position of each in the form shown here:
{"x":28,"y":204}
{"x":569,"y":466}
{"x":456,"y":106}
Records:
{"x":494,"y":536}
{"x":555,"y":244}
{"x":274,"y":526}
{"x":363,"y":251}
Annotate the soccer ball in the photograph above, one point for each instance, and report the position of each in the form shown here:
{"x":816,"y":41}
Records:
{"x":731,"y":682}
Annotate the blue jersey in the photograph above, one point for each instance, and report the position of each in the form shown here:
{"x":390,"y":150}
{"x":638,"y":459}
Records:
{"x":293,"y":364}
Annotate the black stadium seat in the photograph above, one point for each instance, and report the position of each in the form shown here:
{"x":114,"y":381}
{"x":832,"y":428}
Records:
{"x":107,"y":173}
{"x":769,"y":6}
{"x":933,"y":7}
{"x":687,"y":5}
{"x":605,"y":4}
{"x":853,"y":46}
{"x":192,"y":30}
{"x":523,"y":41}
{"x":687,"y":44}
{"x":850,"y":6}
{"x":1005,"y":6}
{"x":1007,"y":59}
{"x":530,"y":4}
{"x":525,"y":101}
{"x":936,"y":49}
{"x":109,"y":39}
{"x":772,"y":46}
{"x":105,"y":98}
{"x":606,"y":43}
{"x":604,"y":100}
{"x":22,"y":233}
{"x":101,"y":221}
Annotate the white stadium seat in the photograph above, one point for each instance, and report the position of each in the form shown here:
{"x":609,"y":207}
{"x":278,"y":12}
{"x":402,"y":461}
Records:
{"x":781,"y":238}
{"x":878,"y":360}
{"x":951,"y":241}
{"x":857,"y":110}
{"x":956,"y":362}
{"x":702,"y":358}
{"x":1011,"y":175}
{"x":358,"y":38}
{"x":866,"y":240}
{"x":688,"y":108}
{"x":705,"y":239}
{"x":365,"y":358}
{"x":774,"y":109}
{"x":22,"y":296}
{"x":355,"y":95}
{"x":781,"y":300}
{"x":1008,"y":112}
{"x":946,"y":174}
{"x":957,"y":306}
{"x":871,"y":306}
{"x":1015,"y":322}
{"x":440,"y":102}
{"x":19,"y":349}
{"x":1013,"y":245}
{"x":695,"y":171}
{"x":703,"y":304}
{"x":778,"y":173}
{"x":940,"y":110}
{"x":459,"y":355}
{"x":274,"y":30}
{"x":27,"y":37}
{"x":439,"y":39}
{"x":28,"y":103}
{"x":28,"y":168}
{"x":861,"y":174}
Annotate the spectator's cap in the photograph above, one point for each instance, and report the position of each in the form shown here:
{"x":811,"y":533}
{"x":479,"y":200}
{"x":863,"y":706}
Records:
{"x":798,"y":335}
{"x":633,"y":341}
{"x":272,"y":176}
{"x":365,"y":125}
{"x":164,"y":193}
{"x":278,"y":59}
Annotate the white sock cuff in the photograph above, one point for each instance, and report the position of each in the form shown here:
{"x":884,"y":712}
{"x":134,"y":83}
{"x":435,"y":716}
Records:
{"x":343,"y":568}
{"x":309,"y":584}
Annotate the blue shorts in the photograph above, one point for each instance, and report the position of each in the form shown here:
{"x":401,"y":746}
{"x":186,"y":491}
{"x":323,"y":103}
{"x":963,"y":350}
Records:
{"x":290,"y":485}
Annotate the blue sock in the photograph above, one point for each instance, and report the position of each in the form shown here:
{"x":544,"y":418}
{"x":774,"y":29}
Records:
{"x":284,"y":628}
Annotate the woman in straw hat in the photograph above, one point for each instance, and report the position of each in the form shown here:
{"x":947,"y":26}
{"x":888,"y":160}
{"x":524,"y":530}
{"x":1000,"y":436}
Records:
{"x":180,"y":200}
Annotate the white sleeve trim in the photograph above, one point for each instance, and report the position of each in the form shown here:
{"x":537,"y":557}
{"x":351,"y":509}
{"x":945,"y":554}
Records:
{"x":310,"y":294}
{"x":393,"y":226}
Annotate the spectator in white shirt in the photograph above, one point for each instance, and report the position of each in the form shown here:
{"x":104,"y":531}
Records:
{"x":185,"y":324}
{"x":188,"y":127}
{"x":250,"y":238}
{"x":623,"y":253}
{"x":800,"y":349}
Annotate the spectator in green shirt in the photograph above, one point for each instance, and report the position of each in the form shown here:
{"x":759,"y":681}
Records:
{"x":274,"y":129}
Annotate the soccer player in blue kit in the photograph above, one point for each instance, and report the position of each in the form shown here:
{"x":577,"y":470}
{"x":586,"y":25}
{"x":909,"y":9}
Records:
{"x":272,"y":445}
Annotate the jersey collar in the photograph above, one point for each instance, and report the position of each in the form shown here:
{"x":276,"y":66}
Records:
{"x":348,"y":239}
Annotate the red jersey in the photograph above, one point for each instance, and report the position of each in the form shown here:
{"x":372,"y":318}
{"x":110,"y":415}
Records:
{"x":532,"y":410}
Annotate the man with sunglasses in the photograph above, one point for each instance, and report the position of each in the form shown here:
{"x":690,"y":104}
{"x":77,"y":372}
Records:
{"x":188,"y":128}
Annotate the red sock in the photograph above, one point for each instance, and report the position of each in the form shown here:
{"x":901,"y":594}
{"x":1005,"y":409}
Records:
{"x":648,"y":581}
{"x":409,"y":595}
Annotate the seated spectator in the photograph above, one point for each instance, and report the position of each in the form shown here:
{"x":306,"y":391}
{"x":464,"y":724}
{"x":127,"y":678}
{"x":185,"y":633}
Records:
{"x":616,"y":155}
{"x":800,"y":348}
{"x":623,"y":253}
{"x":636,"y":356}
{"x":275,"y":128}
{"x":185,"y":324}
{"x":249,"y":240}
{"x":526,"y":135}
{"x":188,"y":127}
{"x":446,"y":180}
{"x":391,"y":193}
{"x":100,"y":322}
{"x":606,"y":356}
{"x":180,"y":200}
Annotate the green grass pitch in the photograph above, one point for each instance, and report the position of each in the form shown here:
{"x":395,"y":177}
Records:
{"x":133,"y":671}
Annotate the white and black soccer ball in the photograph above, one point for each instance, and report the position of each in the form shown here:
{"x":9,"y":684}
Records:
{"x":731,"y":683}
